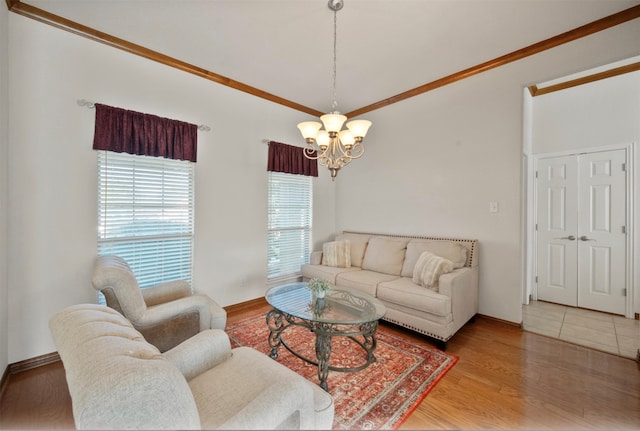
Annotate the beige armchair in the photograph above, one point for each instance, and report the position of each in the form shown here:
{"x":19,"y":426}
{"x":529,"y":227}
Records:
{"x":166,"y":314}
{"x":117,"y":380}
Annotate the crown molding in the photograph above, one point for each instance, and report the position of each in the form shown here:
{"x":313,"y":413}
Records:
{"x":534,"y":90}
{"x":45,"y":17}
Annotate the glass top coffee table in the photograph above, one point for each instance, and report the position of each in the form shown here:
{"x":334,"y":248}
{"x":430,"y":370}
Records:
{"x":340,"y":313}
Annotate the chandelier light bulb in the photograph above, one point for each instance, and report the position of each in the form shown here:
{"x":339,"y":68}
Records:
{"x":333,"y":122}
{"x":309,"y":129}
{"x":346,"y":138}
{"x":323,"y":139}
{"x":359,"y":128}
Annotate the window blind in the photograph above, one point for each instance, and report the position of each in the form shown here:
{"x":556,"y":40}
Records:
{"x":289,"y":223}
{"x":145,"y":214}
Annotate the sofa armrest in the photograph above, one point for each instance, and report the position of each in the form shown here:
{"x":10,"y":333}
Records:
{"x":316,"y":258}
{"x":461,"y":285}
{"x":212,"y":316}
{"x":273,"y":406}
{"x":201,"y":352}
{"x":165,"y":292}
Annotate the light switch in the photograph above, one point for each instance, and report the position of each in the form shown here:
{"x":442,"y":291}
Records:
{"x":493,"y":207}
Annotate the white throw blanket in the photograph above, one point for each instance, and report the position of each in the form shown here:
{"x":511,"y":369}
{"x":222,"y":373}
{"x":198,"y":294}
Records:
{"x":429,"y":268}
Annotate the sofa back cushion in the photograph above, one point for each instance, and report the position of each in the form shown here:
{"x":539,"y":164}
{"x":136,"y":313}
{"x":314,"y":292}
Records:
{"x":449,"y":250}
{"x":358,"y":243}
{"x":385,"y":254}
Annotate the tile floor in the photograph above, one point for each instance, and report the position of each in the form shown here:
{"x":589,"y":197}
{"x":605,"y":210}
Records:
{"x":600,"y":331}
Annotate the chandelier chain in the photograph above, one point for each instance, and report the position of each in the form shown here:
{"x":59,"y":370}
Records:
{"x":335,"y":37}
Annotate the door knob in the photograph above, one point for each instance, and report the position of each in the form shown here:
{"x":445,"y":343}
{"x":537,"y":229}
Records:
{"x":570,"y":237}
{"x":584,"y":238}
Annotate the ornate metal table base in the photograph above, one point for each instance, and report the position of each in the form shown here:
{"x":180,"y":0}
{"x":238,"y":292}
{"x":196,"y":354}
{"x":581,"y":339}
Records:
{"x":278,"y":322}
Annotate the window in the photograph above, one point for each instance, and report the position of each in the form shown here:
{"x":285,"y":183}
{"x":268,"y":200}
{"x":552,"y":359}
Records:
{"x":145,"y":214}
{"x":289,"y":225}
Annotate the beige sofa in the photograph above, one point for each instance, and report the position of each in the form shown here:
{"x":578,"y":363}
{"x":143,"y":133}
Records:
{"x":384,"y":266}
{"x":117,"y":380}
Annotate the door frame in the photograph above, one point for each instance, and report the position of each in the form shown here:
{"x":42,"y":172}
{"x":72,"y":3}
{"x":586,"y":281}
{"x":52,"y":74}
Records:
{"x":530,"y":289}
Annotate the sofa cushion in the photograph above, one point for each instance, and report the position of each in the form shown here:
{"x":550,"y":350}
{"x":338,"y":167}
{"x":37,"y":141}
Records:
{"x":429,"y":268}
{"x":450,"y":250}
{"x":337,"y":253}
{"x":252,"y":391}
{"x":328,"y":273}
{"x":403,"y":291}
{"x":358,"y":243}
{"x":385,"y":255}
{"x":438,"y":327}
{"x":363,"y":281}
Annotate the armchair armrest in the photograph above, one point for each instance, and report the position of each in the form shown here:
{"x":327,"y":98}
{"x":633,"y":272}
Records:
{"x":201,"y":352}
{"x":211,"y":314}
{"x":316,"y":258}
{"x":165,"y":292}
{"x":273,"y":406}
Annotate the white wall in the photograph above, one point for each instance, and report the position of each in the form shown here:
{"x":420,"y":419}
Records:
{"x":52,"y":174}
{"x":434,"y":162}
{"x":594,"y":115}
{"x":601,"y":113}
{"x":4,"y":138}
{"x":431,"y":168}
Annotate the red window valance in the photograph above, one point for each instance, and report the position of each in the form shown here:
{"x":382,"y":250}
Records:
{"x":290,"y":160}
{"x":125,"y":131}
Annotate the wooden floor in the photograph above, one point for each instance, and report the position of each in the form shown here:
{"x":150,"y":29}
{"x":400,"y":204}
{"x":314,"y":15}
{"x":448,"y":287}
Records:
{"x":504,"y":379}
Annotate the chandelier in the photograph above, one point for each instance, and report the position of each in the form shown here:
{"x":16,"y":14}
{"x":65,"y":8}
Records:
{"x":333,"y":146}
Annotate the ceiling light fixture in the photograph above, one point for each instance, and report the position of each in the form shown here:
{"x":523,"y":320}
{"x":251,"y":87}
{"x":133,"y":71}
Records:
{"x":333,"y":147}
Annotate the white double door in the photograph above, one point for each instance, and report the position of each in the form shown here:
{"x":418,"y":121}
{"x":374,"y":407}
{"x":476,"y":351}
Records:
{"x":581,"y":230}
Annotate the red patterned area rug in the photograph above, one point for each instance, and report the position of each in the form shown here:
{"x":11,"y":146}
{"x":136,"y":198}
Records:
{"x":380,"y":396}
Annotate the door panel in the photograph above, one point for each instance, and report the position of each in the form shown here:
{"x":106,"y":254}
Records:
{"x":556,"y":265}
{"x":557,"y":226}
{"x":601,"y":245}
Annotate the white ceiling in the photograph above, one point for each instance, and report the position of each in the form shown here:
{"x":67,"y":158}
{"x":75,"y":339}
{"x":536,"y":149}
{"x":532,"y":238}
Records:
{"x":285,"y":47}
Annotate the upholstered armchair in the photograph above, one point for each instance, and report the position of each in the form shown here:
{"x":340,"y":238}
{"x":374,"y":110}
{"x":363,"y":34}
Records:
{"x":166,"y":314}
{"x":119,"y":381}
